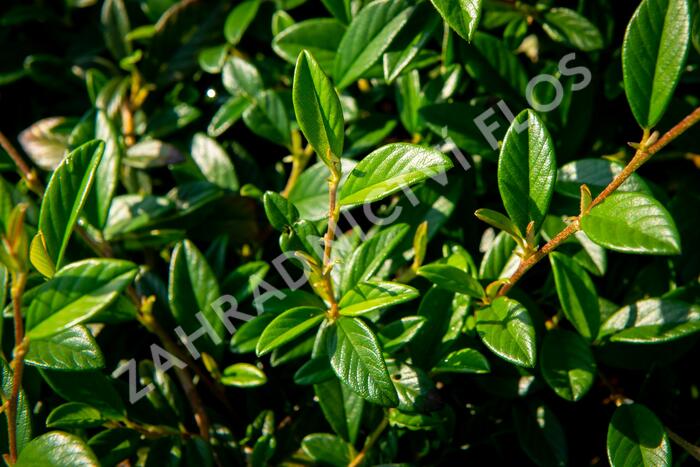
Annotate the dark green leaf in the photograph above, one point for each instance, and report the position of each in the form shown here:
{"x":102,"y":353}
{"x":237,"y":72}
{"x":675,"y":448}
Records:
{"x":115,"y":26}
{"x":567,"y":364}
{"x":228,"y":114}
{"x":72,"y":349}
{"x":75,"y":415}
{"x":319,"y":36}
{"x":213,"y":162}
{"x":577,"y":295}
{"x":462,"y":15}
{"x":239,"y":19}
{"x":452,"y":278}
{"x":651,"y":321}
{"x":268,"y":118}
{"x":636,"y":437}
{"x":396,"y":335}
{"x":567,"y":26}
{"x":463,"y":361}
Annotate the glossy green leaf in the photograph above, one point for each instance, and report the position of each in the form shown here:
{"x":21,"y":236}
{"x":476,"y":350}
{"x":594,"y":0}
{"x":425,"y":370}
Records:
{"x":318,"y":109}
{"x":369,"y":296}
{"x":213,"y":162}
{"x":653,"y":55}
{"x":409,"y":42}
{"x":452,"y":278}
{"x":463,"y":361}
{"x":280,"y":212}
{"x":326,"y":449}
{"x":73,"y":349}
{"x":65,"y":196}
{"x":632,"y":223}
{"x":241,"y":78}
{"x":358,"y":361}
{"x":75,"y":294}
{"x":310,"y":193}
{"x":507,"y":330}
{"x":596,"y":174}
{"x":496,"y":259}
{"x":367,"y":37}
{"x":107,"y":173}
{"x":239,"y":19}
{"x":75,"y":415}
{"x":577,"y":295}
{"x":462,"y":15}
{"x":399,"y":333}
{"x":288,"y":326}
{"x":499,"y":221}
{"x":243,"y":375}
{"x":527,"y":170}
{"x":390,"y":169}
{"x":652,"y":321}
{"x":228,"y":114}
{"x":637,"y":438}
{"x":567,"y":364}
{"x":193,"y":288}
{"x":319,"y":36}
{"x":57,"y":449}
{"x":268,"y":119}
{"x":40,"y":258}
{"x":567,"y":26}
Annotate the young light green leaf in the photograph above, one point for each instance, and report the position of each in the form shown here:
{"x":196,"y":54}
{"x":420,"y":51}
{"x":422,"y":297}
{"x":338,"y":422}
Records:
{"x":636,"y":437}
{"x":507,"y":330}
{"x":288,"y":326}
{"x":577,"y":295}
{"x":527,"y":170}
{"x":463,"y":361}
{"x":499,"y":221}
{"x":239,"y":19}
{"x":651,"y":321}
{"x":317,"y":108}
{"x":632,"y":223}
{"x":40,"y":258}
{"x":241,"y":78}
{"x":213,"y":162}
{"x":74,"y":415}
{"x":370,"y":33}
{"x":462,"y":15}
{"x":567,"y":26}
{"x":390,"y":169}
{"x":75,"y":294}
{"x":243,"y":375}
{"x":73,"y":349}
{"x":193,"y":288}
{"x":358,"y":362}
{"x":369,"y":296}
{"x":452,"y":278}
{"x":567,"y":364}
{"x":65,"y":196}
{"x":319,"y":36}
{"x":653,"y":55}
{"x":57,"y":449}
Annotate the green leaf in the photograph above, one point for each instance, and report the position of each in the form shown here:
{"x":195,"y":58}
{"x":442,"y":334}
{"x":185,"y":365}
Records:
{"x":540,"y":435}
{"x":527,"y":170}
{"x":463,"y":361}
{"x":73,"y":349}
{"x":368,"y":258}
{"x":596,"y":174}
{"x":75,"y":294}
{"x":24,"y":420}
{"x":396,"y":335}
{"x":340,"y":9}
{"x":243,"y":375}
{"x":81,"y":386}
{"x":241,"y":78}
{"x":390,"y":169}
{"x":317,"y":370}
{"x":107,"y":173}
{"x":567,"y":26}
{"x":65,"y":196}
{"x":444,"y":320}
{"x":499,"y":221}
{"x":40,"y":258}
{"x":74,"y":415}
{"x":319,"y":36}
{"x":115,"y":26}
{"x":413,"y":386}
{"x":57,"y":449}
{"x":228,"y":114}
{"x":212,"y":59}
{"x":653,"y":56}
{"x":652,"y":321}
{"x":452,"y":278}
{"x":193,"y":288}
{"x":369,"y":296}
{"x":239,"y":19}
{"x":288,"y":326}
{"x":408,"y":44}
{"x":632,"y":223}
{"x":213,"y":162}
{"x":636,"y":437}
{"x":268,"y":118}
{"x":280,"y":212}
{"x":494,"y":66}
{"x":152,"y":153}
{"x":370,"y":33}
{"x":357,"y":360}
{"x":500,"y":253}
{"x":317,"y":108}
{"x":507,"y":330}
{"x":567,"y":364}
{"x":577,"y":295}
{"x":462,"y":15}
{"x":310,"y":193}
{"x":326,"y":449}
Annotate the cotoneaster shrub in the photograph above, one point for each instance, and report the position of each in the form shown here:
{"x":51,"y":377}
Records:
{"x":350,"y":232}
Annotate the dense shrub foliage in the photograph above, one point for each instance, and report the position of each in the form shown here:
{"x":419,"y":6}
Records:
{"x":350,"y":232}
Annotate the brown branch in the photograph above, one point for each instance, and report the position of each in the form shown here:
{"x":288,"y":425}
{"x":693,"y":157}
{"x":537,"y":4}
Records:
{"x":371,"y":439}
{"x":27,"y":174}
{"x":642,"y":155}
{"x":19,"y":282}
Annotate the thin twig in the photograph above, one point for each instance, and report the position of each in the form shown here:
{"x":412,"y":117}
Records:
{"x":642,"y":155}
{"x":19,"y":282}
{"x":371,"y":440}
{"x":27,"y":174}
